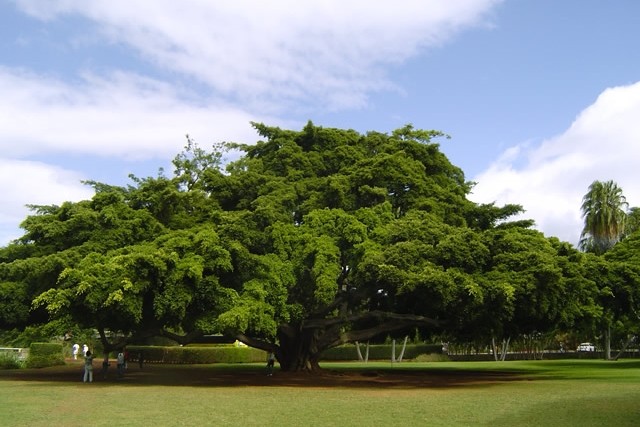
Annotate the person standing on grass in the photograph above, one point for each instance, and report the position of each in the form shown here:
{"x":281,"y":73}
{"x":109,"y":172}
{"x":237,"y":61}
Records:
{"x":271,"y":360}
{"x":88,"y":367}
{"x":76,"y":349}
{"x":120,"y":363}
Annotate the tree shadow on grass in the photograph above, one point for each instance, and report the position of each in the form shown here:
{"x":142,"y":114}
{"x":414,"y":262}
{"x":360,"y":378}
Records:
{"x":253,"y":376}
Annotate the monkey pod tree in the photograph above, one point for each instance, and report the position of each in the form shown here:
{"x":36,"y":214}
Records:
{"x":312,"y":239}
{"x":326,"y":193}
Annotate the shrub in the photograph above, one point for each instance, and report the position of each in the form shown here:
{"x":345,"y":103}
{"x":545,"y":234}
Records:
{"x":197,"y":354}
{"x":10,"y":361}
{"x":43,"y":354}
{"x":432,"y":357}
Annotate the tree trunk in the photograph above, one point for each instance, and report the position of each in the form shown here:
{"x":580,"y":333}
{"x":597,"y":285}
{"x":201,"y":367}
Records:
{"x":494,"y":348}
{"x":298,"y":351}
{"x":607,"y":342}
{"x":404,"y":347}
{"x":500,"y":354}
{"x":366,"y":354}
{"x":358,"y":351}
{"x":505,"y":349}
{"x":300,"y":345}
{"x":624,"y":347}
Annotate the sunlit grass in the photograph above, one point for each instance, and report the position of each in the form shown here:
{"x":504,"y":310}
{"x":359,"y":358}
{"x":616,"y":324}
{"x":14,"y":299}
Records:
{"x":580,"y":393}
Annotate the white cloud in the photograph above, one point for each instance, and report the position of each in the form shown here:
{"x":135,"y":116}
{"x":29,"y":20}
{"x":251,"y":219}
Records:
{"x":34,"y":183}
{"x":601,"y":144}
{"x":125,"y":116}
{"x":121,"y":116}
{"x":329,"y":52}
{"x":239,"y":57}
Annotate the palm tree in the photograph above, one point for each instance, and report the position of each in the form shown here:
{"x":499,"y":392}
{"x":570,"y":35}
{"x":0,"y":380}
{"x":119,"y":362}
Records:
{"x":604,"y":212}
{"x":633,"y":221}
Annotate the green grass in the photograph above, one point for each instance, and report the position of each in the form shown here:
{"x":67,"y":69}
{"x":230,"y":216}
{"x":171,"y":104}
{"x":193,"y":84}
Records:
{"x":566,"y":393}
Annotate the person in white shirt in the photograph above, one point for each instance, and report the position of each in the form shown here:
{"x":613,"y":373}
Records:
{"x":121,"y":363}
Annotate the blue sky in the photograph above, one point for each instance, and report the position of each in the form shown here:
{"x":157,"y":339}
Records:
{"x":540,"y":97}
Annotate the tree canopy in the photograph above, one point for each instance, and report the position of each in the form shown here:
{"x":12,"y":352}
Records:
{"x":311,"y":239}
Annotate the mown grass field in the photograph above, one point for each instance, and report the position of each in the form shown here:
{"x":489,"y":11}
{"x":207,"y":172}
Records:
{"x":524,"y":393}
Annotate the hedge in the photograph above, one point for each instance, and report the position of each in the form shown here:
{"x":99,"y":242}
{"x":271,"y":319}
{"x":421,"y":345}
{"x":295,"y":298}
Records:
{"x":43,"y":354}
{"x":193,"y":354}
{"x":232,"y":354}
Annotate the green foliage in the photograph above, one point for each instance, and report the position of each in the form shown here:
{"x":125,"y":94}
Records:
{"x":633,"y":221}
{"x":311,"y":239}
{"x":10,"y":361}
{"x":42,"y":355}
{"x":231,"y":354}
{"x":195,"y":354}
{"x":14,"y":304}
{"x":54,"y":330}
{"x":431,"y":357}
{"x":604,"y":212}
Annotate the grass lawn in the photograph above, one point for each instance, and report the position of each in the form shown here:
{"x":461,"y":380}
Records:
{"x":540,"y":393}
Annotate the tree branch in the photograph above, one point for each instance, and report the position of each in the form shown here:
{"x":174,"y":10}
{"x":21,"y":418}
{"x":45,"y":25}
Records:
{"x":365,"y":334}
{"x":181,"y":339}
{"x":256,"y":343}
{"x":370,"y":315}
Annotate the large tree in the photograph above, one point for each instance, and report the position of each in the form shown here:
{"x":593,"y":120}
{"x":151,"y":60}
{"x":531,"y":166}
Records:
{"x":604,"y":209}
{"x":624,"y":287}
{"x":312,"y":239}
